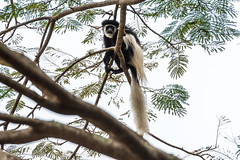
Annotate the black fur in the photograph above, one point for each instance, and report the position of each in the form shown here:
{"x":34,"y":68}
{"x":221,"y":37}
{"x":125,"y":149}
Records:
{"x":127,"y":53}
{"x":135,"y":64}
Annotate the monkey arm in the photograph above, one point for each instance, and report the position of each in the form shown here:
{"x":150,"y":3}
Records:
{"x":108,"y":56}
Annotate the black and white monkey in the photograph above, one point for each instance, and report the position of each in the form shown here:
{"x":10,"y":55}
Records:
{"x":133,"y":56}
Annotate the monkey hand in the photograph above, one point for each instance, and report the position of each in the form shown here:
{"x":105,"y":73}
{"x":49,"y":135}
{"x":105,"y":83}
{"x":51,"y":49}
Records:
{"x":107,"y":69}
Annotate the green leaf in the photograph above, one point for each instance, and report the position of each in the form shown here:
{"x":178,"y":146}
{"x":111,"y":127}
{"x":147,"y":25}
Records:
{"x":92,"y":36}
{"x":10,"y":104}
{"x":67,"y":24}
{"x":18,"y":151}
{"x":6,"y":92}
{"x":171,"y":99}
{"x":202,"y":23}
{"x":177,"y":66}
{"x":86,"y":17}
{"x":48,"y":150}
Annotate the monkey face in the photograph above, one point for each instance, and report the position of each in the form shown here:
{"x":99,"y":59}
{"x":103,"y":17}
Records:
{"x":110,"y":30}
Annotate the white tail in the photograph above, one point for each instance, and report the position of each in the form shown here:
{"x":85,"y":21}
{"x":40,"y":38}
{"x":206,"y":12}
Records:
{"x":137,"y":96}
{"x":139,"y":107}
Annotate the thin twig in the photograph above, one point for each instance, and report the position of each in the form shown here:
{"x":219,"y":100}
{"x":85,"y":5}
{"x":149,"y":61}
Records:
{"x":14,"y":108}
{"x":44,"y":34}
{"x":80,"y":59}
{"x":115,"y":12}
{"x":176,"y":147}
{"x":41,"y":50}
{"x":74,"y":152}
{"x":152,"y":29}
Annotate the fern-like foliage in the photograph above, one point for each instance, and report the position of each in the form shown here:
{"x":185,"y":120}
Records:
{"x":47,"y":149}
{"x":28,"y":10}
{"x":67,"y":23}
{"x":10,"y":104}
{"x":18,"y":151}
{"x":237,"y":139}
{"x":88,"y":17}
{"x":206,"y":23}
{"x":177,"y":65}
{"x":171,"y":99}
{"x":92,"y":36}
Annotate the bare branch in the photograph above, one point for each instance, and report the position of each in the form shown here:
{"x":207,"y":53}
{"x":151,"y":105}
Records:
{"x":41,"y":50}
{"x":84,"y":7}
{"x":24,"y":23}
{"x":115,"y":12}
{"x":44,"y":34}
{"x":171,"y":44}
{"x":41,"y":129}
{"x":194,"y":153}
{"x":80,"y":59}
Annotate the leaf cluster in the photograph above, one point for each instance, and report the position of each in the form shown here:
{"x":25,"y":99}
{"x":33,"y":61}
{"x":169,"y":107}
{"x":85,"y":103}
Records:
{"x":177,"y":65}
{"x":47,"y":150}
{"x":171,"y":99}
{"x":209,"y":24}
{"x":198,"y":22}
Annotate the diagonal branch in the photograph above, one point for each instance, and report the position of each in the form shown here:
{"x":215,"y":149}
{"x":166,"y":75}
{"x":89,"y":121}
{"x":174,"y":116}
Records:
{"x":43,"y":47}
{"x":171,"y":44}
{"x":42,"y":129}
{"x":84,"y":7}
{"x":65,"y":103}
{"x":24,"y":23}
{"x":80,"y":59}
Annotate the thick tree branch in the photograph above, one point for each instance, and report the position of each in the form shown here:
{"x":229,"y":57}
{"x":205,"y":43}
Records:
{"x":41,"y":129}
{"x":27,"y":92}
{"x":95,"y":5}
{"x":7,"y":156}
{"x":84,"y":7}
{"x":65,"y":103}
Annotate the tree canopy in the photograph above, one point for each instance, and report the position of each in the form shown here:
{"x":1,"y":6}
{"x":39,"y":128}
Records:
{"x":69,"y":85}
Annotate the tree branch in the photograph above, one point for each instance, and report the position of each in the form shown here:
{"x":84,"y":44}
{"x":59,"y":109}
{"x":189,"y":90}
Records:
{"x":42,"y":129}
{"x":65,"y":103}
{"x":195,"y":153}
{"x":84,"y":7}
{"x":115,"y":12}
{"x":7,"y":156}
{"x":121,"y":33}
{"x":171,"y":44}
{"x":43,"y":47}
{"x":80,"y":59}
{"x":24,"y":23}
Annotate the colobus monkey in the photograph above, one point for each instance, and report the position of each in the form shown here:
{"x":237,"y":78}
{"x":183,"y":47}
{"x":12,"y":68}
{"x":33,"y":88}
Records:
{"x":132,"y":53}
